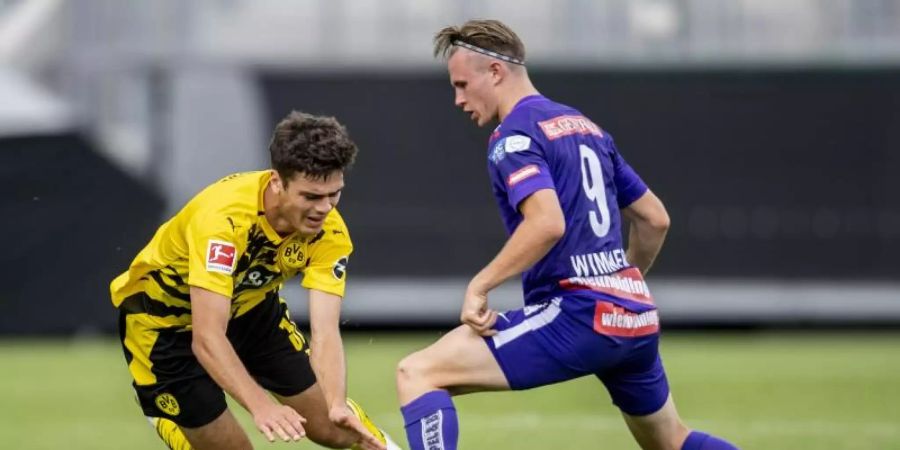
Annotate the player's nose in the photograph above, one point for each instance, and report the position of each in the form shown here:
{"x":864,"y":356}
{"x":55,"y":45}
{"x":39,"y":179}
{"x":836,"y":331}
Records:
{"x":460,"y":100}
{"x":325,"y":205}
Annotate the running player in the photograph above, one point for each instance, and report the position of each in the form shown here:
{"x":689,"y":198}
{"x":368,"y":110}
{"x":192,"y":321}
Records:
{"x":562,"y":187}
{"x":199,"y":309}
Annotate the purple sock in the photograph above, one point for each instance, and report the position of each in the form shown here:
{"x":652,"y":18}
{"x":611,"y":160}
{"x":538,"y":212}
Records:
{"x":699,"y":440}
{"x":431,"y":422}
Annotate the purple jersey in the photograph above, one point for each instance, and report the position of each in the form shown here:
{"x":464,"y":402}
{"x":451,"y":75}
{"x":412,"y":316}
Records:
{"x":546,"y":145}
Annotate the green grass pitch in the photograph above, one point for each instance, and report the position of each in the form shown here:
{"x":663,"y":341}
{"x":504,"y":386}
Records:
{"x":760,"y":390}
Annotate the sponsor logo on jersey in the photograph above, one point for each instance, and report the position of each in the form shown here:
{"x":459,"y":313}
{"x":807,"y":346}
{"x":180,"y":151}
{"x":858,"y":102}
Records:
{"x":517,"y":143}
{"x":291,"y":255}
{"x":627,"y":284}
{"x":613,"y":320}
{"x":166,"y":403}
{"x":562,"y":126}
{"x":340,"y":268}
{"x":497,"y":154}
{"x":522,"y":174}
{"x":220,"y":256}
{"x":533,"y":309}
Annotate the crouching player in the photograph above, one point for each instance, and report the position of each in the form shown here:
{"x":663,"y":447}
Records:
{"x":562,"y":187}
{"x":199,"y":309}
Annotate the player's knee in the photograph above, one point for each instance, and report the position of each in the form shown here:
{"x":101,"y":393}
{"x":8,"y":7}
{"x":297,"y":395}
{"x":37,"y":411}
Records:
{"x":406,"y":370}
{"x":412,"y":370}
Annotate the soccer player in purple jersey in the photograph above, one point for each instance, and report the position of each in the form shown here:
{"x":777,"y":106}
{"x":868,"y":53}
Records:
{"x":562,"y":188}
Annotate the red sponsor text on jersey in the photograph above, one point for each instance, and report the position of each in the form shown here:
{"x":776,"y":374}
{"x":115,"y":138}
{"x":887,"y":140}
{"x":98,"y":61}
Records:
{"x":561,"y":126}
{"x":626,"y":284}
{"x":613,"y":320}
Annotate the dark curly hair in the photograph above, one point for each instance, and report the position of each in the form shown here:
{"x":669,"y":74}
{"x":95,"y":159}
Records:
{"x":315,"y":146}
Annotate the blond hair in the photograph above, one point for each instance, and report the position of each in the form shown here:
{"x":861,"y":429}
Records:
{"x":487,"y":34}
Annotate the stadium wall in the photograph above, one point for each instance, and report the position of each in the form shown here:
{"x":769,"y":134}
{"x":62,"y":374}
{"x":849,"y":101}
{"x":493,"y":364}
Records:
{"x":766,"y":174}
{"x":72,"y":221}
{"x":782,"y":186}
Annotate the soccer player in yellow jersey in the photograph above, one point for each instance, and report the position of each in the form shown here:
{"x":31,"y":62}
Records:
{"x":199,"y":310}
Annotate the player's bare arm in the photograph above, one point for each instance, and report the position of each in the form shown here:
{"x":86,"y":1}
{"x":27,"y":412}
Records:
{"x":542,"y":226}
{"x":211,"y":313}
{"x":327,"y":358}
{"x":649,"y":225}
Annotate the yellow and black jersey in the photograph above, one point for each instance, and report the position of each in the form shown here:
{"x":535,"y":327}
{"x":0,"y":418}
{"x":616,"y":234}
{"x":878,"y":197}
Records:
{"x":222,"y":242}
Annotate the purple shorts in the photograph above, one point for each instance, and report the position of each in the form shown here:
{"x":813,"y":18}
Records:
{"x":556,"y":341}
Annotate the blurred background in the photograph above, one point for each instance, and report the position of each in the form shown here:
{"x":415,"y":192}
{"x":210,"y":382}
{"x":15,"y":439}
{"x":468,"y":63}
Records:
{"x":770,"y":129}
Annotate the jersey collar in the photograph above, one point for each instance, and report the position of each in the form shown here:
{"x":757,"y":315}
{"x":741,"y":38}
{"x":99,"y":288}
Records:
{"x":525,"y":100}
{"x":267,"y":228}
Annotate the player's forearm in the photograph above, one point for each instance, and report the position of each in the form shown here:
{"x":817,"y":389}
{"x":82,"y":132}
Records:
{"x":216,"y":355}
{"x":645,"y":240}
{"x":327,"y":358}
{"x":530,"y":242}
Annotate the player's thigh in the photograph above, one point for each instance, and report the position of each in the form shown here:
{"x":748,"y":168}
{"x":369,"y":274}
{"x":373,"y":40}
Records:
{"x":312,"y":406}
{"x":223,"y":433}
{"x":460,"y":361}
{"x":276,"y":354}
{"x":661,"y":430}
{"x":272,"y":348}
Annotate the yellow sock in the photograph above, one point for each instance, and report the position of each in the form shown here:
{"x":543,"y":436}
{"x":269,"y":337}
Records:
{"x":171,"y":435}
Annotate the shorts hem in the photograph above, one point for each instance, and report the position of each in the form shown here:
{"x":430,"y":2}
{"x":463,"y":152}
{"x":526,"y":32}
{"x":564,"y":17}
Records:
{"x":638,"y":412}
{"x":507,"y":373}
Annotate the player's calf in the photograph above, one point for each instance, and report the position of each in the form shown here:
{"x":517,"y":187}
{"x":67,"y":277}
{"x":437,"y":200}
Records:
{"x":223,"y":433}
{"x":169,"y":432}
{"x":664,"y":430}
{"x":426,"y":379}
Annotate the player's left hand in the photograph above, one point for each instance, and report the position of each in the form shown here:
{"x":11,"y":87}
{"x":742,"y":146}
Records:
{"x":476,"y":314}
{"x":343,"y":417}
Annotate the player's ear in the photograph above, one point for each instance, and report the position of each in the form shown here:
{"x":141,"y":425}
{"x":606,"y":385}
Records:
{"x":498,"y":71}
{"x":277,"y":185}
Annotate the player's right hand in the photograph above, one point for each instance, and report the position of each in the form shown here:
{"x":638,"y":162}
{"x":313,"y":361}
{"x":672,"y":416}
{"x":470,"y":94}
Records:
{"x":476,"y":314}
{"x":342,"y":416}
{"x":273,"y":419}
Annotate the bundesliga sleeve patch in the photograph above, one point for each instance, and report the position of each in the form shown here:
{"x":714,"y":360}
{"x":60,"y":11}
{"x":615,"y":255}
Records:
{"x":220,"y":257}
{"x":522,"y":174}
{"x":517,"y":143}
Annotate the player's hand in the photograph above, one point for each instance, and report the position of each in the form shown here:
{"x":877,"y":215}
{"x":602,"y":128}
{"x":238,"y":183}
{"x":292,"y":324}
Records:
{"x":282,"y":421}
{"x":343,"y":417}
{"x":476,"y":314}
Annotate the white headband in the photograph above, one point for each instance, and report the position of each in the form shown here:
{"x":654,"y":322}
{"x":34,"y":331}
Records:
{"x":487,"y":52}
